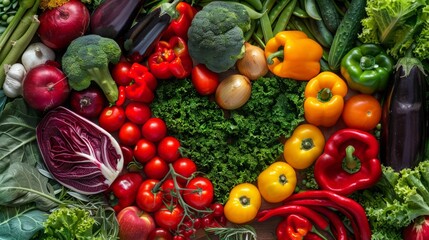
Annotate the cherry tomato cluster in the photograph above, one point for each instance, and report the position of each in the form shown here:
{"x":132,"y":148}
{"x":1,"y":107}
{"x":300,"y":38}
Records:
{"x":158,"y":179}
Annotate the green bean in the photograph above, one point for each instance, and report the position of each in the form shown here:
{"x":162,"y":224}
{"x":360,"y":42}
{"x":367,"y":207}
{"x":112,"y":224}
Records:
{"x":284,"y":17}
{"x":256,"y":4}
{"x":259,"y":41}
{"x":267,"y":31}
{"x":248,"y":34}
{"x":299,"y":12}
{"x":302,"y":27}
{"x":311,"y":9}
{"x":277,"y":9}
{"x":268,"y":4}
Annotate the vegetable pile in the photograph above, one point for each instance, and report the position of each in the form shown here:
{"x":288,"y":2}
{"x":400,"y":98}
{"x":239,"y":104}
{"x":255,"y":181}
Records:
{"x":199,"y":119}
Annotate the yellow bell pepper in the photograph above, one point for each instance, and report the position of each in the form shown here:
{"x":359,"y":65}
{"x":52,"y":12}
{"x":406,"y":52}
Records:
{"x":277,"y":182}
{"x":324,"y":99}
{"x":243,"y":203}
{"x":304,"y":146}
{"x":299,"y":59}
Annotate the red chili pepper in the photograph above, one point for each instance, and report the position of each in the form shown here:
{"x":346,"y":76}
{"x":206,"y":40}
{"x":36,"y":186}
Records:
{"x":337,"y":225}
{"x":121,"y":96}
{"x":179,"y":26}
{"x":124,"y":189}
{"x":312,"y":236}
{"x":297,"y":226}
{"x":171,"y":59}
{"x":349,"y":162}
{"x":143,"y":85}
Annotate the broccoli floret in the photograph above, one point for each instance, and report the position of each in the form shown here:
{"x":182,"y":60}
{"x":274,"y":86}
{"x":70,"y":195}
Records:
{"x":216,"y":35}
{"x":87,"y":59}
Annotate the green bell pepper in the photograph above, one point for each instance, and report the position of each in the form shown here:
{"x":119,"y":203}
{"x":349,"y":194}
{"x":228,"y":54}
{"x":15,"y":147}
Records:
{"x":367,"y":68}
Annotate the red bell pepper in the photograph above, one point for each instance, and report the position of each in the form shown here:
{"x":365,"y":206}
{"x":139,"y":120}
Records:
{"x":143,"y":84}
{"x":349,"y":162}
{"x":297,"y":226}
{"x":124,"y":189}
{"x":180,"y":25}
{"x":171,"y":59}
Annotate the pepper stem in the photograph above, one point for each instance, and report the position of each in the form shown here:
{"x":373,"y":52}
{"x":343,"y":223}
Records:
{"x":367,"y":63}
{"x":324,"y":95}
{"x":245,"y":201}
{"x":307,"y":144}
{"x":351,"y":163}
{"x":283,"y":179}
{"x":279,"y":54}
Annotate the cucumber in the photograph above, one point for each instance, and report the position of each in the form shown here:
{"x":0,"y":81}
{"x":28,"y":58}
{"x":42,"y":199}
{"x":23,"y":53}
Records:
{"x":329,"y":14}
{"x":347,"y":32}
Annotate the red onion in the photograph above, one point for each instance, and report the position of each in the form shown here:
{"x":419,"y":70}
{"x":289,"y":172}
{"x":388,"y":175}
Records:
{"x":417,"y":230}
{"x":88,"y":103}
{"x":59,"y":26}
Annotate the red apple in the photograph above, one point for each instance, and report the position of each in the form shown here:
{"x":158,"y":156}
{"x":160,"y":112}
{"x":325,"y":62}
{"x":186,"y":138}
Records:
{"x":134,"y":224}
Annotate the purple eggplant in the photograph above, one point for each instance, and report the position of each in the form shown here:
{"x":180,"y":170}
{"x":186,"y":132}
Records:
{"x":114,"y":17}
{"x":404,"y":117}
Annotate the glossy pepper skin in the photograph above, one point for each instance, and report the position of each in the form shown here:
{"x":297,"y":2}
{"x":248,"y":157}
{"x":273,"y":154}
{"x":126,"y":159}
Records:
{"x":349,"y":162}
{"x":277,"y":182}
{"x":140,"y":89}
{"x":298,"y":226}
{"x":171,"y":59}
{"x":324,"y":99}
{"x":367,"y":68}
{"x":180,"y":25}
{"x":299,"y":57}
{"x":243,"y":203}
{"x":124,"y":190}
{"x":304,"y":146}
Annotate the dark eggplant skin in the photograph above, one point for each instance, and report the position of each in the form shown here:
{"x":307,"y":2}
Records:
{"x":140,"y":39}
{"x":113,"y":17}
{"x":404,"y":119}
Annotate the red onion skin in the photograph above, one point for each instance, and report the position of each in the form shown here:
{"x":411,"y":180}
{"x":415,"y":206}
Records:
{"x":59,"y":26}
{"x":88,"y":103}
{"x":417,"y":230}
{"x":45,"y":87}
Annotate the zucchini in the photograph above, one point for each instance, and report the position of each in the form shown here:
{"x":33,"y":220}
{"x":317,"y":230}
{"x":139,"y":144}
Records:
{"x":347,"y":32}
{"x":329,"y":14}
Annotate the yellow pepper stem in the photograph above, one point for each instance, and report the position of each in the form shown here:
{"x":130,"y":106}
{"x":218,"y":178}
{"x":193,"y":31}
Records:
{"x":283,"y":179}
{"x":307,"y":144}
{"x":324,"y":95}
{"x":279,"y":54}
{"x":351,"y":163}
{"x":245,"y":201}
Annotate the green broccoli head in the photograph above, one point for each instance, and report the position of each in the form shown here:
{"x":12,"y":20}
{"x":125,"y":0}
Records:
{"x":216,"y":35}
{"x":87,"y":59}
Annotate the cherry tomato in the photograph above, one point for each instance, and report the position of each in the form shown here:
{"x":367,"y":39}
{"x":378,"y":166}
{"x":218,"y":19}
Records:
{"x":168,"y":149}
{"x":155,"y":168}
{"x":168,"y":188}
{"x":129,"y":134}
{"x":184,"y":167}
{"x":205,"y":81}
{"x":169,"y":217}
{"x":149,"y":199}
{"x":160,"y":234}
{"x":154,"y":129}
{"x":362,"y":112}
{"x":112,"y":118}
{"x":144,"y":150}
{"x":128,"y":154}
{"x":199,"y":193}
{"x":120,"y":73}
{"x":217,"y":209}
{"x":138,"y":112}
{"x":179,"y":237}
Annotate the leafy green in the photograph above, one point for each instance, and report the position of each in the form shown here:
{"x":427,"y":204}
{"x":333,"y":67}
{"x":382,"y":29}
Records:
{"x":20,"y":222}
{"x":399,"y":25}
{"x":231,"y":147}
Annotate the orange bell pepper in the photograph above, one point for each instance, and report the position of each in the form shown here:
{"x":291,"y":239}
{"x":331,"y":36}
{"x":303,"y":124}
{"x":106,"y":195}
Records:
{"x":299,"y":59}
{"x":324,"y":99}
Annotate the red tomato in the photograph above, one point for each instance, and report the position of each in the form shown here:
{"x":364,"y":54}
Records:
{"x":168,"y":188}
{"x":169,"y":217}
{"x":156,"y":168}
{"x":199,"y":193}
{"x":217,"y":209}
{"x":128,"y":154}
{"x":129,"y":134}
{"x":147,"y":198}
{"x":144,"y":150}
{"x":168,"y":149}
{"x":138,"y":112}
{"x":204,"y":80}
{"x":154,"y":129}
{"x":120,"y":73}
{"x":160,"y":234}
{"x":112,"y":118}
{"x":184,"y":167}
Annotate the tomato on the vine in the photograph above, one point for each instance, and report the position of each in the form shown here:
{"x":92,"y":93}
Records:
{"x":148,"y":198}
{"x":168,"y":188}
{"x":362,"y":111}
{"x":144,"y":150}
{"x":168,"y":149}
{"x":217,"y":209}
{"x":138,"y":112}
{"x":204,"y":80}
{"x":120,"y":73}
{"x":169,"y":216}
{"x":154,"y":129}
{"x":199,"y":192}
{"x":129,"y":134}
{"x":185,"y":167}
{"x":112,"y":118}
{"x":155,"y":168}
{"x":160,"y":234}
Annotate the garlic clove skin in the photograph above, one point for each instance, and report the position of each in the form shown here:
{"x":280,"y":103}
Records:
{"x":15,"y":74}
{"x":35,"y":54}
